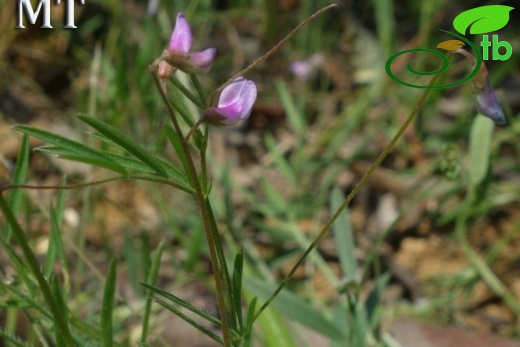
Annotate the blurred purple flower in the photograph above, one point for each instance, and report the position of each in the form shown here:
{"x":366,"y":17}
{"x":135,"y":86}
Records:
{"x":178,"y":53}
{"x":235,"y":103}
{"x":486,"y":99}
{"x":306,"y":69}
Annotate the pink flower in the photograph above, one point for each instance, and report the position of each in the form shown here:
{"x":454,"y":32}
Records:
{"x":178,"y":53}
{"x":235,"y":103}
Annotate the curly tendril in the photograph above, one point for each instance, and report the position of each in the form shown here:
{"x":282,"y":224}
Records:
{"x":441,"y":69}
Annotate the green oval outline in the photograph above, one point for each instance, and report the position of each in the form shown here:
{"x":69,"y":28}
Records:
{"x":443,"y":68}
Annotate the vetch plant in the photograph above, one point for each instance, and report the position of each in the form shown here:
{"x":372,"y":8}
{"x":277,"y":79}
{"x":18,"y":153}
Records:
{"x":130,"y":160}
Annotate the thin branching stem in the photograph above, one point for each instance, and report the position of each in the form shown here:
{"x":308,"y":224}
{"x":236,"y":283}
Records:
{"x":98,"y":182}
{"x":219,"y":270}
{"x":350,"y":196}
{"x":272,"y":50}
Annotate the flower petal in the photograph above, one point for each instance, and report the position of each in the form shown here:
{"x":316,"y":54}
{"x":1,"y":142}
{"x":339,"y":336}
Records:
{"x":232,"y":92}
{"x":247,"y":98}
{"x":489,"y":105}
{"x":203,"y":59}
{"x":235,"y":102}
{"x":181,"y":39}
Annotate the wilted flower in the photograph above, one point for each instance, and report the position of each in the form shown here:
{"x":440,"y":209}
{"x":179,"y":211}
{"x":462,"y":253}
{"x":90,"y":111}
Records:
{"x":235,"y":103}
{"x":178,"y":53}
{"x":486,"y":99}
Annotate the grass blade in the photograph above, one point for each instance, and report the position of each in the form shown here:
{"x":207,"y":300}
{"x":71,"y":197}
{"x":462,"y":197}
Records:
{"x":19,"y":177}
{"x":108,"y":305}
{"x":152,"y":278}
{"x":344,"y":237}
{"x":183,"y":304}
{"x":237,"y":287}
{"x":480,"y":149}
{"x":61,"y":307}
{"x":189,"y":320}
{"x":294,"y":116}
{"x":296,"y":309}
{"x":248,"y":333}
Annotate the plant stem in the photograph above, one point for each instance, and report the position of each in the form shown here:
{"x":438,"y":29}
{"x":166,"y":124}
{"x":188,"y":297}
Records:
{"x":59,"y":320}
{"x":481,"y":267}
{"x":219,"y":269}
{"x":351,"y":195}
{"x":272,"y":50}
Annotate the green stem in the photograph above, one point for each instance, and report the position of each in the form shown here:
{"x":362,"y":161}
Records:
{"x":219,"y":271}
{"x":271,"y":51}
{"x":351,"y":195}
{"x":59,"y":320}
{"x":482,"y":268}
{"x":102,"y":181}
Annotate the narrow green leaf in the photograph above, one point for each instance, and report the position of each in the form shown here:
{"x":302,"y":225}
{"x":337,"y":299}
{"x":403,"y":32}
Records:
{"x":129,"y":145}
{"x":248,"y":333}
{"x":344,"y":236}
{"x":131,"y":260}
{"x":374,"y":298}
{"x":275,"y":330}
{"x":190,"y":321}
{"x":176,"y":144}
{"x":480,"y":149}
{"x":74,"y":148}
{"x":237,"y":287}
{"x":295,"y":117}
{"x":152,"y":278}
{"x":179,"y":104}
{"x":48,"y":266}
{"x":146,"y":256}
{"x":22,"y":269}
{"x":61,"y":307}
{"x":108,"y":305}
{"x":200,"y":91}
{"x":296,"y":309}
{"x":32,"y":261}
{"x":131,"y":164}
{"x":187,"y":93}
{"x":106,"y":140}
{"x":55,"y":248}
{"x":19,"y":177}
{"x":282,"y":163}
{"x":183,"y":303}
{"x":126,"y":162}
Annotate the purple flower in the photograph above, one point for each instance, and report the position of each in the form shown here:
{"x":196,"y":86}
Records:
{"x":486,"y":99}
{"x":306,"y":69}
{"x":235,"y":103}
{"x":178,"y":53}
{"x":489,"y":106}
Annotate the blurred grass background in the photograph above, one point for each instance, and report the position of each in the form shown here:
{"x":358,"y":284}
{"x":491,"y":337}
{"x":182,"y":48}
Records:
{"x":435,"y":233}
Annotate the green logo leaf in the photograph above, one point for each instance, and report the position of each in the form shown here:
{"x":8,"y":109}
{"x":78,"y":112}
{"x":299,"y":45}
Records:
{"x":483,"y":19}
